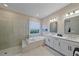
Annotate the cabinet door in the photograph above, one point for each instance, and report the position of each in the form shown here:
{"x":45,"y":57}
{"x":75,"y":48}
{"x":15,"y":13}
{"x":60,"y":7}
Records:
{"x":51,"y":42}
{"x":67,"y":47}
{"x":47,"y":41}
{"x":64,"y":47}
{"x":71,"y":47}
{"x":57,"y":44}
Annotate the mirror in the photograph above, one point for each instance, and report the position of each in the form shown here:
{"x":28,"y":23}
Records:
{"x":71,"y":25}
{"x":53,"y":27}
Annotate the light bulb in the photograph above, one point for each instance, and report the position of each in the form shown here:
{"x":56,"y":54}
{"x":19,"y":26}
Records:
{"x":77,"y":11}
{"x":67,"y":14}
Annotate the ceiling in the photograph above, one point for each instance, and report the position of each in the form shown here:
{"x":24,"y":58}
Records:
{"x":39,"y":10}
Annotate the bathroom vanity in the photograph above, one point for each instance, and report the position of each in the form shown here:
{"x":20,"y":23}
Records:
{"x":67,"y":42}
{"x":65,"y":45}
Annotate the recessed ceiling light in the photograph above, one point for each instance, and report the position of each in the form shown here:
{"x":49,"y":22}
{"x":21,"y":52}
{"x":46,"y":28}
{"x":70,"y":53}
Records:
{"x":5,"y":5}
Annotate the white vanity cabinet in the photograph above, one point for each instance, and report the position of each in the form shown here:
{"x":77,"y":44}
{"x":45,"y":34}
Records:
{"x":63,"y":48}
{"x":66,"y":47}
{"x":71,"y":46}
{"x":53,"y":42}
{"x":49,"y":41}
{"x":56,"y":43}
{"x":63,"y":45}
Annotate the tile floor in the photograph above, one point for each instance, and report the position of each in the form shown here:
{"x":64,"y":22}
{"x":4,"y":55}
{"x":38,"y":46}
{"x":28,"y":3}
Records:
{"x":40,"y":51}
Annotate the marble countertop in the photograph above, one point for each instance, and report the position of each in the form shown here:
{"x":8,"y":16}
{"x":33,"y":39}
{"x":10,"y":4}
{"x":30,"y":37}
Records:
{"x":74,"y":39}
{"x":70,"y":37}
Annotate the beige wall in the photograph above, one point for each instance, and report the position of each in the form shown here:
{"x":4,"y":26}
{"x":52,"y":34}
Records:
{"x":60,"y":16}
{"x":13,"y":28}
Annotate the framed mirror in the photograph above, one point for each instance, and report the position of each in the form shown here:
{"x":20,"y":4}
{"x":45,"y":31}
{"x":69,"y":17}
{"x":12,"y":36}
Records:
{"x":53,"y":27}
{"x":71,"y":25}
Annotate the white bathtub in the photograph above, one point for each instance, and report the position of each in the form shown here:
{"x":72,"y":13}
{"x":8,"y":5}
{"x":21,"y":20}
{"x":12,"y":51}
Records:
{"x":35,"y":39}
{"x":34,"y":42}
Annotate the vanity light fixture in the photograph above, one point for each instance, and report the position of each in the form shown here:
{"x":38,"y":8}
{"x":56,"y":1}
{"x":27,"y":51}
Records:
{"x":53,"y":20}
{"x":67,"y":15}
{"x":71,"y":13}
{"x":74,"y":11}
{"x":77,"y":11}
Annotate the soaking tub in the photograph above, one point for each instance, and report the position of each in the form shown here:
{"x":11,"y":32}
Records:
{"x":33,"y":42}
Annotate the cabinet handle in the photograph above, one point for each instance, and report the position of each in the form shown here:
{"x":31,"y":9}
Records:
{"x":68,"y":47}
{"x":59,"y":43}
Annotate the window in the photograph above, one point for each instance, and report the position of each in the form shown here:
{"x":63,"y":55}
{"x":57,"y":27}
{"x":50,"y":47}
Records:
{"x":34,"y":28}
